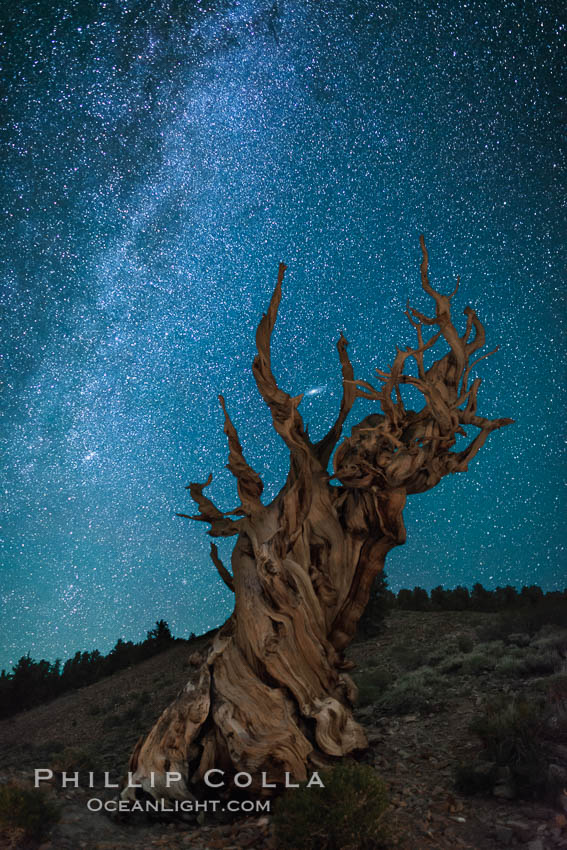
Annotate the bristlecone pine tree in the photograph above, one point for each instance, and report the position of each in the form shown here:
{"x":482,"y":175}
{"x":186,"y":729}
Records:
{"x":271,"y":693}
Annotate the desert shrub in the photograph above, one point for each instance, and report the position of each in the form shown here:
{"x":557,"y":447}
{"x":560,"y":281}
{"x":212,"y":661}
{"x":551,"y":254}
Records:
{"x":512,"y":732}
{"x":508,"y":666}
{"x":529,"y":619}
{"x":477,"y":662}
{"x":435,"y":658}
{"x":368,"y":694}
{"x":532,"y":663}
{"x":482,"y":659}
{"x":371,"y":685}
{"x":347,"y":813}
{"x":465,"y":643}
{"x":524,"y":743}
{"x":122,"y":718}
{"x":493,"y":648}
{"x":452,"y":664}
{"x":506,"y":722}
{"x":557,"y":720}
{"x":413,"y":692}
{"x":408,"y":659}
{"x":28,"y":809}
{"x":372,"y":661}
{"x":476,"y":778}
{"x":500,"y":627}
{"x":554,"y":641}
{"x":556,"y":687}
{"x":466,"y":661}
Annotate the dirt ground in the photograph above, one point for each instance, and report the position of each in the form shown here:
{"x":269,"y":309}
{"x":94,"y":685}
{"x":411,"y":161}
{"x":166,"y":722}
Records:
{"x":416,"y":750}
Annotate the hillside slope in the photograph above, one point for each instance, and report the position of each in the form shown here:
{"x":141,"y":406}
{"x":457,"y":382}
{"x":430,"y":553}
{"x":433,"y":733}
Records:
{"x":422,"y":681}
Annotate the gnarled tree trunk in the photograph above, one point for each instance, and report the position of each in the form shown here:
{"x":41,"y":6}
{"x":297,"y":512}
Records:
{"x":272,"y":695}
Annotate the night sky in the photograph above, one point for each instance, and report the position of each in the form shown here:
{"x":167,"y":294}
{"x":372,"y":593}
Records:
{"x":158,"y":160}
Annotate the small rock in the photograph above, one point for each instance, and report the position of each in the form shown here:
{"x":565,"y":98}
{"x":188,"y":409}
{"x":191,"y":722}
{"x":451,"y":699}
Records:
{"x":374,"y":736}
{"x":504,"y":834}
{"x":251,"y":839}
{"x":537,"y":844}
{"x":557,"y":775}
{"x":504,"y":791}
{"x":521,"y":829}
{"x":484,"y":768}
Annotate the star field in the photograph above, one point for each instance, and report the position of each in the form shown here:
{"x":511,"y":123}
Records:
{"x":159,"y":158}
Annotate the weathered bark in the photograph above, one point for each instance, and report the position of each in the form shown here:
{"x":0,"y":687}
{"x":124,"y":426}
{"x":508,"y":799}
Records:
{"x":272,"y":693}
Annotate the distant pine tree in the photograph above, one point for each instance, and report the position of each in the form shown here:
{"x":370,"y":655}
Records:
{"x":419,"y":599}
{"x":458,"y":599}
{"x":405,"y":599}
{"x":531,"y":595}
{"x":33,"y":682}
{"x":505,"y":597}
{"x":161,"y":634}
{"x":438,"y":598}
{"x":379,"y":604}
{"x":481,"y":599}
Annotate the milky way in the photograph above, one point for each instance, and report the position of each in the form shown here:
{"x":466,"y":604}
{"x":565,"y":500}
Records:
{"x":159,"y":160}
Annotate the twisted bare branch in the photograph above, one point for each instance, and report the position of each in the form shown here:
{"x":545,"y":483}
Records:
{"x":221,"y":526}
{"x":222,"y":570}
{"x":409,"y":449}
{"x":249,"y":483}
{"x":324,"y":448}
{"x":285,"y":416}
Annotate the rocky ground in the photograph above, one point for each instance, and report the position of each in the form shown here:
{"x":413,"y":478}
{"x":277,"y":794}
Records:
{"x":422,"y":681}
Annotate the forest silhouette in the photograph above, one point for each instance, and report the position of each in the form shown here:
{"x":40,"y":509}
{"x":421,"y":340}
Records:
{"x":33,"y":682}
